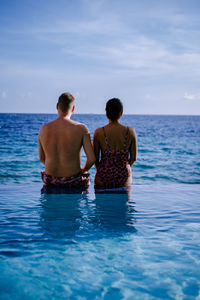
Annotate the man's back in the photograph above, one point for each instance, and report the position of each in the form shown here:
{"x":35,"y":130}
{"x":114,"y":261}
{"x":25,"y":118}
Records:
{"x":61,"y":141}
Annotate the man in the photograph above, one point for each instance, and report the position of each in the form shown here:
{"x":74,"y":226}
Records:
{"x":60,"y":143}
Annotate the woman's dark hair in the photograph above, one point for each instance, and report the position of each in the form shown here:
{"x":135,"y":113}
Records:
{"x":114,"y":108}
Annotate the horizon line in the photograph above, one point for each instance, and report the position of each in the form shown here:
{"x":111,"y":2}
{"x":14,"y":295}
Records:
{"x":126,"y":114}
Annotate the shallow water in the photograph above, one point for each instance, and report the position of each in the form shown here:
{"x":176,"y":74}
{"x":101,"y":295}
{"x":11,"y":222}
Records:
{"x":141,"y":245}
{"x":144,"y":244}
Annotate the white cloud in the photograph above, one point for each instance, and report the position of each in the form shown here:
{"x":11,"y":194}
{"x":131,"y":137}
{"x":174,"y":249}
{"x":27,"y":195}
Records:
{"x":124,"y":41}
{"x":141,"y":55}
{"x":148,"y":52}
{"x":192,"y":96}
{"x":105,"y":24}
{"x":3,"y":95}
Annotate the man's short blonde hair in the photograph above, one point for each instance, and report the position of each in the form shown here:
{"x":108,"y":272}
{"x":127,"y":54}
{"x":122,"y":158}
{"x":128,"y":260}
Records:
{"x":64,"y":101}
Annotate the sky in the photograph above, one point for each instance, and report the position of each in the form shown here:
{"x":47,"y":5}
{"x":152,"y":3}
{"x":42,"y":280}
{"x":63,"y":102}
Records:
{"x":145,"y":52}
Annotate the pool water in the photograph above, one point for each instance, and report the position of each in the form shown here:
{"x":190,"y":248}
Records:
{"x":144,"y":244}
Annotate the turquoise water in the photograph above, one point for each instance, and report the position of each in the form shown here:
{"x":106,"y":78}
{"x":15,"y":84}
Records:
{"x":144,"y":244}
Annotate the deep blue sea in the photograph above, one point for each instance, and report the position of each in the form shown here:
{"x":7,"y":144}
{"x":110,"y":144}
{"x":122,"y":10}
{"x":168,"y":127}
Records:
{"x":143,"y":244}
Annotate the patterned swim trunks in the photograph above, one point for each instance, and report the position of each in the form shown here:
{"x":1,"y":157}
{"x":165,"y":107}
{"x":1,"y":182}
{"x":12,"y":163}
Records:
{"x":77,"y":181}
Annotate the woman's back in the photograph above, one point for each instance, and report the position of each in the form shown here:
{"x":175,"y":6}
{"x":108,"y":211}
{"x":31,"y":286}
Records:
{"x":113,"y":142}
{"x":113,"y":136}
{"x":115,"y":149}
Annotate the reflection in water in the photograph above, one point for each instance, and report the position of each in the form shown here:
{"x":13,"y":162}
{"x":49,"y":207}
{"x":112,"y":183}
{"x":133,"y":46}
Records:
{"x":60,"y":214}
{"x":115,"y":211}
{"x":77,"y":215}
{"x":50,"y":189}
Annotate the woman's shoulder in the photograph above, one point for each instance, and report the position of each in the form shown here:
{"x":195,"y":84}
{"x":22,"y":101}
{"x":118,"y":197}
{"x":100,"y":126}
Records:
{"x":131,"y":131}
{"x":98,"y":131}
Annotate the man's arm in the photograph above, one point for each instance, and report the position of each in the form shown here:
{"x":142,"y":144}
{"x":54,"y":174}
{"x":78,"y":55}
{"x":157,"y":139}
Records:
{"x":96,"y":148}
{"x":41,"y":150}
{"x":87,"y":146}
{"x":133,"y":147}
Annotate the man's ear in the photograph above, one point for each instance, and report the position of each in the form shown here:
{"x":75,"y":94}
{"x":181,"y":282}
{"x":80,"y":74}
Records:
{"x":73,"y":108}
{"x":57,"y":106}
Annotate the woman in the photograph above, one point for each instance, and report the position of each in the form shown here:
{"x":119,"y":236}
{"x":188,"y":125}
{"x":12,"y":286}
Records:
{"x":115,"y":147}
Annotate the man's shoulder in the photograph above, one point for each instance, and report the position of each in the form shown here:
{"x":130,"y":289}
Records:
{"x":46,"y":126}
{"x":80,"y":126}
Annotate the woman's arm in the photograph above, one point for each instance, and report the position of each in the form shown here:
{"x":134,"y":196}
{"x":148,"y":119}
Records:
{"x":133,"y":147}
{"x":96,"y":147}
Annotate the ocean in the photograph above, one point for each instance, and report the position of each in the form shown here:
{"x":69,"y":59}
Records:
{"x":168,"y":147}
{"x":144,"y":244}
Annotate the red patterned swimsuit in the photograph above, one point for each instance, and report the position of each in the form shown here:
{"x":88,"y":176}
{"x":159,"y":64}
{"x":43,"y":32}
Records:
{"x":113,"y":170}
